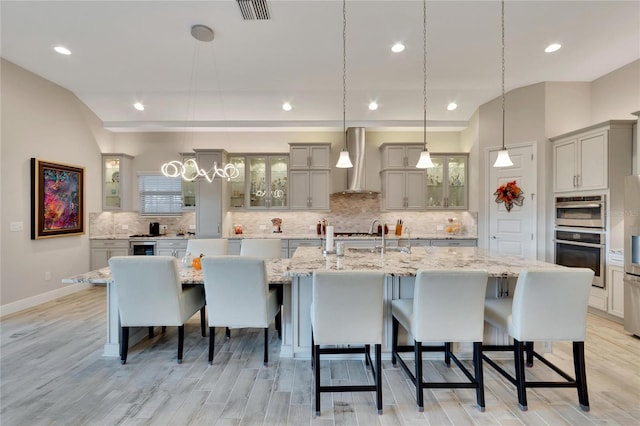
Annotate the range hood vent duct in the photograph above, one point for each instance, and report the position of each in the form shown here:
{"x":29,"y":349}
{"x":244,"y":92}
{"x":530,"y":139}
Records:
{"x":356,"y":182}
{"x":254,"y":10}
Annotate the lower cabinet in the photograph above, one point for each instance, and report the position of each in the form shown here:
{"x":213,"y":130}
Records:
{"x":103,"y":250}
{"x":615,"y":291}
{"x":454,"y":243}
{"x":175,"y":248}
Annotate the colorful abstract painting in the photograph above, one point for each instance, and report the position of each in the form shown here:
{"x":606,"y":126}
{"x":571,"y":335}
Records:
{"x":57,"y":199}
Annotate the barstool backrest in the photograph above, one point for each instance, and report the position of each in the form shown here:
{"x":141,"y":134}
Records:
{"x":551,"y":304}
{"x":347,"y":307}
{"x":267,"y":248}
{"x":448,"y":306}
{"x":208,"y":246}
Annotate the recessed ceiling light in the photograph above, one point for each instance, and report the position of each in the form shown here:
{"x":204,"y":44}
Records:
{"x":373,"y":106}
{"x":286,"y":106}
{"x":397,"y":48}
{"x":552,"y":47}
{"x":62,"y":50}
{"x":452,"y":106}
{"x":138,"y":106}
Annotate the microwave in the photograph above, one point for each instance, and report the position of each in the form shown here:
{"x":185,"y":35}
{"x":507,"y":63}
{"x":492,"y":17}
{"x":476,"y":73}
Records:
{"x":581,"y":211}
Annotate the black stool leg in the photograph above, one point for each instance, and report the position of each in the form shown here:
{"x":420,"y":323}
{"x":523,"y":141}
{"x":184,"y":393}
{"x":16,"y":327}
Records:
{"x":477,"y":364}
{"x":313,"y":353}
{"x":418,"y":361}
{"x":394,"y":340}
{"x":581,"y":375}
{"x":378,"y":348}
{"x":180,"y":343}
{"x":316,"y":351}
{"x":151,"y":333}
{"x":367,"y":350}
{"x":266,"y":346}
{"x":518,"y":357}
{"x":529,"y":348}
{"x":203,"y":325}
{"x":124,"y":345}
{"x":279,"y":323}
{"x":228,"y":333}
{"x":447,"y":353}
{"x":212,"y":338}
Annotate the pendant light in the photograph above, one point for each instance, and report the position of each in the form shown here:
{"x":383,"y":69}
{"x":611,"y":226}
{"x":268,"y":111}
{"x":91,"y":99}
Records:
{"x":189,"y":169}
{"x":344,"y":162}
{"x":425,"y":158}
{"x":503,"y":159}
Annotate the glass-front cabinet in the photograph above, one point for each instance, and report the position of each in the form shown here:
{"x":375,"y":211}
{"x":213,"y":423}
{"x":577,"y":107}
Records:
{"x":189,"y":187}
{"x":262,"y":182}
{"x":447,"y":182}
{"x":116,"y":181}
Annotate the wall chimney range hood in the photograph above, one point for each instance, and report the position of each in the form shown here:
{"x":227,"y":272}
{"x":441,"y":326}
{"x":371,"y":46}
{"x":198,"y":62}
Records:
{"x":356,"y":182}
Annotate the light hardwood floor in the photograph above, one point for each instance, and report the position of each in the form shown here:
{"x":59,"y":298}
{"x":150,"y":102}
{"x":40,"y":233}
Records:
{"x":52,"y":373}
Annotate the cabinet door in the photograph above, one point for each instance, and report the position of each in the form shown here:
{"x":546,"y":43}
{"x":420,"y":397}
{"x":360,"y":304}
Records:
{"x":616,"y":291}
{"x":237,"y":188}
{"x":300,"y":157}
{"x":299,"y":189}
{"x":278,"y":191}
{"x":592,"y":156}
{"x":415,"y":190}
{"x":454,"y":243}
{"x":319,"y":189}
{"x":257,"y":180}
{"x":413,"y":155}
{"x":435,"y":183}
{"x":208,"y":209}
{"x":564,"y":166}
{"x":457,"y":182}
{"x":99,"y":258}
{"x":394,"y":157}
{"x":111,"y":187}
{"x":320,"y":157}
{"x":394,"y":191}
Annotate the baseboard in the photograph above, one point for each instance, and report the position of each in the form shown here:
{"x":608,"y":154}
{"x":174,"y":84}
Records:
{"x":30,"y":302}
{"x":605,"y":315}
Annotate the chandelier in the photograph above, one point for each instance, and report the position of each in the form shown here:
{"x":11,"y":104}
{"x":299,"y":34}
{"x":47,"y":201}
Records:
{"x":189,"y":170}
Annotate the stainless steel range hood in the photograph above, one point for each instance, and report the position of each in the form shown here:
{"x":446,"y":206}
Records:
{"x":356,"y":182}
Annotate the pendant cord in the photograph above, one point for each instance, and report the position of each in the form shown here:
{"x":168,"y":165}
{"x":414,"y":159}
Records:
{"x":424,"y":70}
{"x":503,"y":121}
{"x":344,"y":72}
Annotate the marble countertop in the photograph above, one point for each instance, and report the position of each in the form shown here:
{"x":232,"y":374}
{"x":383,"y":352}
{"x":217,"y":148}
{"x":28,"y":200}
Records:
{"x":276,"y":270}
{"x":129,"y":237}
{"x":287,"y":236}
{"x":308,"y":259}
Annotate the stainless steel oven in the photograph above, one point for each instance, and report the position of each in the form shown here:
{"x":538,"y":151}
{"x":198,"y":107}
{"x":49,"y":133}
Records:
{"x":581,"y":211}
{"x":582,"y":249}
{"x":142,"y":248}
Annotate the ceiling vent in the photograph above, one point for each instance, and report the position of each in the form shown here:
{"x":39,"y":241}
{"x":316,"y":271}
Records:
{"x":254,"y":10}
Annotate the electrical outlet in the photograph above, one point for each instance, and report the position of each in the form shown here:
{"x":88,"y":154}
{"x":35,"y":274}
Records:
{"x":263,"y":227}
{"x":439,"y":227}
{"x":47,"y":276}
{"x":163,"y":228}
{"x":16,"y":227}
{"x":125,"y":226}
{"x":312,"y":227}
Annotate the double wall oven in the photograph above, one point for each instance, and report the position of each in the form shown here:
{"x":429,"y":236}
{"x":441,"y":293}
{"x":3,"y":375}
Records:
{"x":580,"y":238}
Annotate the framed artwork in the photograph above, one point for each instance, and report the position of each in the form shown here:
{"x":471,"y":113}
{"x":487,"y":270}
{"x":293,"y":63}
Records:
{"x":57,"y":199}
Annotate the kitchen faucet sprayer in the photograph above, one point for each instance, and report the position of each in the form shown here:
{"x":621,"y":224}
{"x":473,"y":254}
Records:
{"x":382,"y":248}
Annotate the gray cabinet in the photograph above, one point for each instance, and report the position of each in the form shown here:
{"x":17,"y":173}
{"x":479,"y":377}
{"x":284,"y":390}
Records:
{"x":117,"y":179}
{"x":294,"y":244}
{"x":209,"y":196}
{"x":168,"y":247}
{"x":309,"y":176}
{"x":403,"y":186}
{"x":455,"y":243}
{"x":447,"y":182}
{"x":103,"y":250}
{"x":400,"y":156}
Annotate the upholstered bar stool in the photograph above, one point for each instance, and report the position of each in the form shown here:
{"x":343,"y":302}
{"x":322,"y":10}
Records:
{"x":346,"y":310}
{"x":150,"y":294}
{"x":208,"y":246}
{"x":238,"y":296}
{"x":267,"y":248}
{"x":547,"y":305}
{"x":447,"y":306}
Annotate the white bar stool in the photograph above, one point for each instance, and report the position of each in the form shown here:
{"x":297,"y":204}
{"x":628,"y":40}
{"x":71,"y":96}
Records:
{"x":447,"y":306}
{"x":208,"y":246}
{"x":547,"y":305}
{"x":346,"y":310}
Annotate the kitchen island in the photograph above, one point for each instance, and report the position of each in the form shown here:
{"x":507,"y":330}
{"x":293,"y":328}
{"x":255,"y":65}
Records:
{"x":295,"y":276}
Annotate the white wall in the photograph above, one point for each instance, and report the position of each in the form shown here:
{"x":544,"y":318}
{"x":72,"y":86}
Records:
{"x":616,"y":95}
{"x":567,"y":106}
{"x":40,"y":119}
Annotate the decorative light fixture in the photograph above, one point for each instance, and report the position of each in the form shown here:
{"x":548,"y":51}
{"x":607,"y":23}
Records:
{"x":189,"y":169}
{"x":344,"y":162}
{"x":503,"y":159}
{"x":425,"y":158}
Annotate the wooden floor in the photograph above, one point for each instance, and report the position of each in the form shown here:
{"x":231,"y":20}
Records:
{"x":52,"y":373}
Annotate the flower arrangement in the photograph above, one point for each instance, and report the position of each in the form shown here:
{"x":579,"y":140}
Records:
{"x":277,"y":223}
{"x":509,"y":194}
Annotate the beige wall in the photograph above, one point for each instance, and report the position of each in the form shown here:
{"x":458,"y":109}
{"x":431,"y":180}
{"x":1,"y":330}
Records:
{"x":40,"y":119}
{"x":616,"y":95}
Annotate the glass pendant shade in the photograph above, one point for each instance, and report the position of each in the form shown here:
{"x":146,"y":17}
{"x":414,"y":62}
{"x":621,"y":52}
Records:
{"x":344,"y":162}
{"x":503,"y":159}
{"x":425,"y":160}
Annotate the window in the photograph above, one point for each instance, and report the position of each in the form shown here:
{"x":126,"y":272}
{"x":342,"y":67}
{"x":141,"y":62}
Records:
{"x":159,"y":195}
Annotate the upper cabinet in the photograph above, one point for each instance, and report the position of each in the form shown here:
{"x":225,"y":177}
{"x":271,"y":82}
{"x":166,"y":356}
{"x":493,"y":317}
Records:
{"x":116,"y":181}
{"x":263,"y":182}
{"x":400,"y":156}
{"x":587,"y":159}
{"x":189,"y":187}
{"x":237,"y":186}
{"x":209,"y":195}
{"x":310,"y":176}
{"x":447,"y":182}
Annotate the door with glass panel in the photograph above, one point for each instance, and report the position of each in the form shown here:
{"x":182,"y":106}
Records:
{"x":268,"y":181}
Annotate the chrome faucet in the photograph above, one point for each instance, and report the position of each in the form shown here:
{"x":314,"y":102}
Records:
{"x":383,"y":244}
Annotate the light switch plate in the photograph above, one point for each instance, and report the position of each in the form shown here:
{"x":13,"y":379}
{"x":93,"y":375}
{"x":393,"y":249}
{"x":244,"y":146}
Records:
{"x":16,"y":227}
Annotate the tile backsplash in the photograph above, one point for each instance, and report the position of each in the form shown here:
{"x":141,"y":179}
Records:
{"x":349,"y":213}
